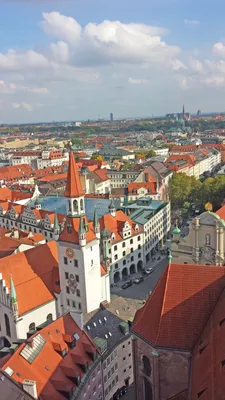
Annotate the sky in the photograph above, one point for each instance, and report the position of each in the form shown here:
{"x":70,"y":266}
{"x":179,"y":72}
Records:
{"x":78,"y":59}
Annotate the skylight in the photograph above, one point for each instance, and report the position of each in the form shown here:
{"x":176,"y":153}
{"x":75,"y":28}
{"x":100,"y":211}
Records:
{"x":30,"y":353}
{"x":76,"y":336}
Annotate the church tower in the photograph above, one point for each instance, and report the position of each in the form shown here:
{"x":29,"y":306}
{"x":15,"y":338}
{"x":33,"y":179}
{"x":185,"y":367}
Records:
{"x":74,"y":193}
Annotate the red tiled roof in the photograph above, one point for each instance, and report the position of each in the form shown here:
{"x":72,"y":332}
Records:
{"x":115,"y":224}
{"x":49,"y":369}
{"x":73,"y":237}
{"x":221,"y":212}
{"x":180,"y":305}
{"x":73,"y":186}
{"x":139,"y":185}
{"x":8,"y":246}
{"x":102,"y":174}
{"x":13,"y":195}
{"x":35,"y":281}
{"x":53,"y":177}
{"x":208,"y":369}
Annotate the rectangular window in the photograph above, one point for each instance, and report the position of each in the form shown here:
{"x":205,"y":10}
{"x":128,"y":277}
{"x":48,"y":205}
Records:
{"x":124,"y":262}
{"x":92,"y":262}
{"x":116,"y":366}
{"x":68,"y":302}
{"x":66,"y":275}
{"x":110,"y":387}
{"x":117,"y":378}
{"x":104,"y":365}
{"x":131,"y":241}
{"x":108,"y":361}
{"x":124,"y":244}
{"x":75,"y":263}
{"x":105,"y":378}
{"x":77,"y":278}
{"x":74,"y":304}
{"x":79,"y":306}
{"x":67,"y":289}
{"x":131,"y":250}
{"x":109,"y":374}
{"x":116,"y":257}
{"x":124,"y":253}
{"x":139,"y":238}
{"x":115,"y":247}
{"x":78,"y":293}
{"x":65,"y":260}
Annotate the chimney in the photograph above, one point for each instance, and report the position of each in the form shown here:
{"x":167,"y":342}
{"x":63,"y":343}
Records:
{"x":30,"y":387}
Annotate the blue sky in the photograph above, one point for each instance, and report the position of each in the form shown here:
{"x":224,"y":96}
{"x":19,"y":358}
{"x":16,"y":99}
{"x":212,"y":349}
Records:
{"x":173,"y":53}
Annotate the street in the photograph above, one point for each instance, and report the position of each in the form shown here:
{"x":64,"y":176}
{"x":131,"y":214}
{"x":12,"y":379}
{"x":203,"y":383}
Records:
{"x":141,"y":290}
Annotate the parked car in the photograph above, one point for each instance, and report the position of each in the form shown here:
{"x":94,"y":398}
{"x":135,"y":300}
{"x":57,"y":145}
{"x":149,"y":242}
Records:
{"x":149,"y":271}
{"x":138,"y":280}
{"x":127,"y":284}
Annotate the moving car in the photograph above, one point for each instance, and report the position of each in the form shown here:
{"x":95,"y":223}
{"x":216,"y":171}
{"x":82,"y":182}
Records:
{"x":127,"y":284}
{"x":138,"y":280}
{"x":149,"y":271}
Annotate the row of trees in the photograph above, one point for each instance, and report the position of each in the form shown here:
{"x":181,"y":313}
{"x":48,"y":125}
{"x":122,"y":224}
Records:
{"x":186,"y":190}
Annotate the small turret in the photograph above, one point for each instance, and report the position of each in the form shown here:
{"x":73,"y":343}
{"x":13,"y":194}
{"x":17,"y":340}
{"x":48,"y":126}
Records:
{"x":176,"y":233}
{"x":112,"y":208}
{"x":37,"y":203}
{"x":13,"y":299}
{"x":82,"y":233}
{"x":96,"y":224}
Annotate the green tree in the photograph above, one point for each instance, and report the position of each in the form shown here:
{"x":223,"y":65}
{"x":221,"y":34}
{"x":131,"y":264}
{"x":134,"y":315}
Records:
{"x":179,"y":188}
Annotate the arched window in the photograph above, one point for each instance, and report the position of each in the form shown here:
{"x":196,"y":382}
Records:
{"x":49,"y":317}
{"x":7,"y":326}
{"x":82,"y":205}
{"x":146,"y":366}
{"x":75,"y":206}
{"x":32,"y":327}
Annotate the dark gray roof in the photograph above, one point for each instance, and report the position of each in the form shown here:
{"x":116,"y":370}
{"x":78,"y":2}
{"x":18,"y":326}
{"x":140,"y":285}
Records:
{"x":108,"y":329}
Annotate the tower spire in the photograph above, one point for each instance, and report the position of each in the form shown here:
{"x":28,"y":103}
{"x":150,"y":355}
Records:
{"x":73,"y":186}
{"x":74,"y":192}
{"x":13,"y":298}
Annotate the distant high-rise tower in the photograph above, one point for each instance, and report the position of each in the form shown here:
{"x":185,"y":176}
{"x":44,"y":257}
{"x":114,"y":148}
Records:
{"x":183,"y":112}
{"x":198,"y":113}
{"x":111,"y":116}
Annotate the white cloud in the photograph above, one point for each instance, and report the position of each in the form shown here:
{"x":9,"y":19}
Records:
{"x":219,"y":49}
{"x":184,"y":83}
{"x":137,"y":81}
{"x":6,"y":87}
{"x":215,"y":81}
{"x":177,"y":65}
{"x":60,"y":52}
{"x":14,"y":60}
{"x":24,"y":106}
{"x":191,"y":21}
{"x":60,"y":26}
{"x":196,"y":65}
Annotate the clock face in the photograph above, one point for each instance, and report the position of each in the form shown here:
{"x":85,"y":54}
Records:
{"x":69,"y":252}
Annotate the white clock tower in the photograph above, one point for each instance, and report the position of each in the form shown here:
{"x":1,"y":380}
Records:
{"x":84,"y":283}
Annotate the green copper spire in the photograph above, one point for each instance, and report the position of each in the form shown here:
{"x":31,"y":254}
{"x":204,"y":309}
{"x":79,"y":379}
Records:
{"x":106,"y":250}
{"x":13,"y":297}
{"x":170,"y":257}
{"x":96,"y":221}
{"x":56,"y":222}
{"x":81,"y":226}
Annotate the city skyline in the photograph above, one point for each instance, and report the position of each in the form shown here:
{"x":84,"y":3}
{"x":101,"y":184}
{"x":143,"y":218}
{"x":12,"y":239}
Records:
{"x":76,"y":61}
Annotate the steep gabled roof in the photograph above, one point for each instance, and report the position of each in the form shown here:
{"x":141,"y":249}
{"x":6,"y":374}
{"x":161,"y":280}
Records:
{"x":72,"y":235}
{"x":50,"y":370}
{"x":115,"y":224}
{"x":73,"y":186}
{"x":35,"y":273}
{"x":180,"y":305}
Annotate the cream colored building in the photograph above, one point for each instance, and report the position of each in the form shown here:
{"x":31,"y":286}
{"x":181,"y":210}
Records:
{"x":205,"y":243}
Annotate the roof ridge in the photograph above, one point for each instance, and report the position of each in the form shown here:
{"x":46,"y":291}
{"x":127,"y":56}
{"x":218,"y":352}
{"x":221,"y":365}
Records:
{"x":164,"y":300}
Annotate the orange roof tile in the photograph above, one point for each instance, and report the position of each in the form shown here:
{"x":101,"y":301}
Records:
{"x":138,"y":185}
{"x":115,"y":224}
{"x":180,"y":305}
{"x":49,"y":369}
{"x":35,"y":281}
{"x":73,"y":237}
{"x":73,"y":186}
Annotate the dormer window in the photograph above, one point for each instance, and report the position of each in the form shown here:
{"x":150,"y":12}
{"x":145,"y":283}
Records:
{"x":113,"y":236}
